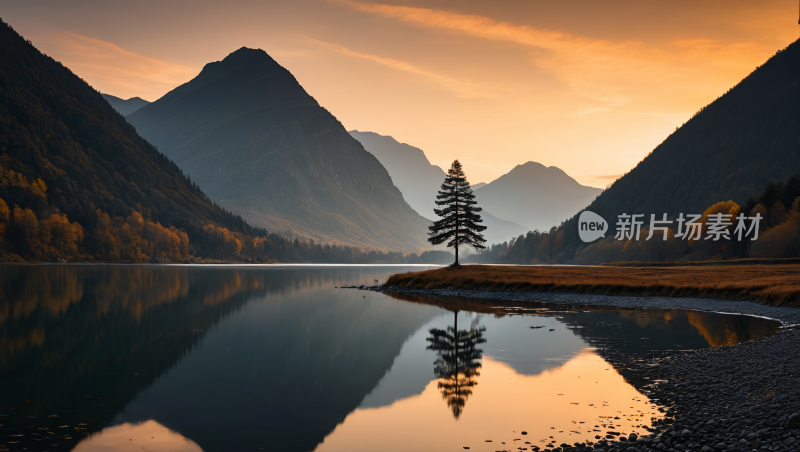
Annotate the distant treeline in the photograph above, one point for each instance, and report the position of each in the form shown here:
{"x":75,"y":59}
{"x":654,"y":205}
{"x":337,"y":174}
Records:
{"x":779,"y":237}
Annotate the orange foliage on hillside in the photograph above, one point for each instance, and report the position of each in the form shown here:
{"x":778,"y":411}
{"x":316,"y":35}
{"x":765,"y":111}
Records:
{"x":33,"y":188}
{"x":64,"y":236}
{"x":224,"y":241}
{"x":53,"y":236}
{"x":139,"y":240}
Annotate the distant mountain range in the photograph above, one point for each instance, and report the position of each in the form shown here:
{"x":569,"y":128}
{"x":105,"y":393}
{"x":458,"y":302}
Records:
{"x":258,"y":144}
{"x":125,"y":106}
{"x":57,"y":128}
{"x":536,"y":196}
{"x":419,"y":181}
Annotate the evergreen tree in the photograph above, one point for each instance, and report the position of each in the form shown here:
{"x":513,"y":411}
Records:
{"x":460,"y":222}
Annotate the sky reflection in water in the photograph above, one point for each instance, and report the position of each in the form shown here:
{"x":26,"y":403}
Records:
{"x":227,"y":358}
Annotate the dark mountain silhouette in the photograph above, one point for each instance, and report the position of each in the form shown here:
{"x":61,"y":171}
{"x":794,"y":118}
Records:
{"x":125,"y":106}
{"x":258,"y":144}
{"x":536,"y":196}
{"x":419,"y":181}
{"x":54,"y":126}
{"x":732,"y":148}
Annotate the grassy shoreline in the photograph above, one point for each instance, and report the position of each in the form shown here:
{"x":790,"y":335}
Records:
{"x":774,"y":284}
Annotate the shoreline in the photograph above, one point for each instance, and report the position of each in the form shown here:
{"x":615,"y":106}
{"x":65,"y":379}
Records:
{"x":773,"y":284}
{"x":789,"y":316}
{"x":744,"y":397}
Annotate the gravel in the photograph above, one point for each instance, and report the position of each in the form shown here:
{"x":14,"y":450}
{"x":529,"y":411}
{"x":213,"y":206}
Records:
{"x":744,"y":397}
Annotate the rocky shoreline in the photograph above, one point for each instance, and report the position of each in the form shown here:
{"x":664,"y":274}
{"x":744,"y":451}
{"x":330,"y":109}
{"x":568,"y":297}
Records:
{"x":739,"y":398}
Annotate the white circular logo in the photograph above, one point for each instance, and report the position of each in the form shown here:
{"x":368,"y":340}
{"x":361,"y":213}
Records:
{"x":591,"y":226}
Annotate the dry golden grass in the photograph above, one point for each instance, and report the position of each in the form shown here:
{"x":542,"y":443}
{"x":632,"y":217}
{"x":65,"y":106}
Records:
{"x":774,"y":284}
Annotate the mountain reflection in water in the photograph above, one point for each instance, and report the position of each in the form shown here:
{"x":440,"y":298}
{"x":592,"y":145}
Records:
{"x":149,"y":436}
{"x":243,"y":358}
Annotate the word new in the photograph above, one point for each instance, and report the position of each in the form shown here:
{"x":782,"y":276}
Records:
{"x":717,"y":226}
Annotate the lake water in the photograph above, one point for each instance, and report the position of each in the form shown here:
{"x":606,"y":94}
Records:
{"x":178,"y":358}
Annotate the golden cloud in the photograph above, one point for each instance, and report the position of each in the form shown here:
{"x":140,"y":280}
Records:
{"x":113,"y":70}
{"x":461,"y":88}
{"x":609,"y":73}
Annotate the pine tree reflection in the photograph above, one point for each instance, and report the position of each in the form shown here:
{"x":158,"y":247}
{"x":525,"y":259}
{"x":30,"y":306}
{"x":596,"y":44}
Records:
{"x":457,"y":362}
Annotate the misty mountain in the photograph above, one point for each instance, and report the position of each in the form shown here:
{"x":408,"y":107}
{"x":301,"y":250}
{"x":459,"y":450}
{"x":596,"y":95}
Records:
{"x":252,"y":138}
{"x":125,"y":106}
{"x":56,"y":127}
{"x":536,"y":196}
{"x":732,"y":148}
{"x":478,"y":185}
{"x":419,"y":181}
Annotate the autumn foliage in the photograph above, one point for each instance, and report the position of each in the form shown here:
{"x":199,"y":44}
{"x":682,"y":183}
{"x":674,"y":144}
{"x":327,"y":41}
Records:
{"x":53,"y":236}
{"x":33,"y":189}
{"x":136,"y":239}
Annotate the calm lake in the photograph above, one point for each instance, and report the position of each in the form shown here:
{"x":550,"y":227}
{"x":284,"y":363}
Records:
{"x":238,"y":358}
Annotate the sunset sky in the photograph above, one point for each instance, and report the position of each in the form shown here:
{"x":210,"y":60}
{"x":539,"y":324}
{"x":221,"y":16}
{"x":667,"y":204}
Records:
{"x":590,"y":86}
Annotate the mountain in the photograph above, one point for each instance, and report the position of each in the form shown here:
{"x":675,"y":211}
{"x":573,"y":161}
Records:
{"x":747,"y":139}
{"x":409,"y":168}
{"x":55,"y":127}
{"x":125,"y":106}
{"x":729,"y":150}
{"x":258,"y":144}
{"x":536,"y":196}
{"x":478,"y":185}
{"x":419,"y":181}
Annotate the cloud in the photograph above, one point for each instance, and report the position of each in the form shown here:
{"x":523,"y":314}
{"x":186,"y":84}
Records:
{"x":113,"y":70}
{"x":461,"y":88}
{"x":607,"y":179}
{"x":611,"y":177}
{"x":609,"y":74}
{"x":582,"y":63}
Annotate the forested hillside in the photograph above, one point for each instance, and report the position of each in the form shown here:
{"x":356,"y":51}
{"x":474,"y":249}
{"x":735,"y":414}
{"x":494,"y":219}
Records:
{"x":66,"y":151}
{"x":727,"y":153}
{"x":78,"y":183}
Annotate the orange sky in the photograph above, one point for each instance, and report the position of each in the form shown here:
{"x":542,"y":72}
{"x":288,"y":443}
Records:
{"x":588,"y":86}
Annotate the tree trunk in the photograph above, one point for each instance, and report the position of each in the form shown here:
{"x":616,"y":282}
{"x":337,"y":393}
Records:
{"x":457,"y":221}
{"x":455,"y":335}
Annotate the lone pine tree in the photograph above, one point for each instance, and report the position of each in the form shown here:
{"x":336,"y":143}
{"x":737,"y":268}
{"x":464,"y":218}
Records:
{"x":460,"y":222}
